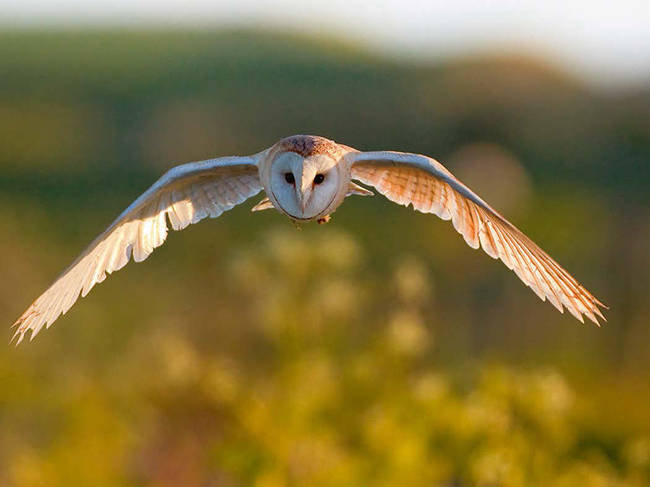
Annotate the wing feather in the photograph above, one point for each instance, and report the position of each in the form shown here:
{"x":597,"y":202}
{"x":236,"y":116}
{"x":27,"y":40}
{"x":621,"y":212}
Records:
{"x":184,"y":195}
{"x":424,"y":183}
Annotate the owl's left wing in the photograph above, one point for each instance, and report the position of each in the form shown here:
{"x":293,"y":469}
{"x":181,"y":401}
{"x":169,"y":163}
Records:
{"x":186,"y":194}
{"x":412,"y":179}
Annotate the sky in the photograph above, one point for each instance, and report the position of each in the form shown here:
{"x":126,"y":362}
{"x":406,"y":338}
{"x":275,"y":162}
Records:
{"x":606,"y":43}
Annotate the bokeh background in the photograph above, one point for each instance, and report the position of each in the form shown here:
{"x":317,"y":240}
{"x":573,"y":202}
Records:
{"x":377,"y":350}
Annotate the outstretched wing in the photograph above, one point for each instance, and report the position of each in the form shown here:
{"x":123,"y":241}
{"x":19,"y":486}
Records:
{"x":412,"y":179}
{"x":185,"y":194}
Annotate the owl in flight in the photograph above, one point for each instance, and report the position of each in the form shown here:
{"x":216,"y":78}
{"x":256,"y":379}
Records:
{"x":307,"y":178}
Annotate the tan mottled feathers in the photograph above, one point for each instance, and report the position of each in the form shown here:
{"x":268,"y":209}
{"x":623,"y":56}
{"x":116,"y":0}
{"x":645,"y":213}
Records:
{"x":309,"y":145}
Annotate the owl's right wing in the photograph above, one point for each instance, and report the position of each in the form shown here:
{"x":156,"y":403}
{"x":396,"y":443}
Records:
{"x":413,"y":179}
{"x":186,"y":194}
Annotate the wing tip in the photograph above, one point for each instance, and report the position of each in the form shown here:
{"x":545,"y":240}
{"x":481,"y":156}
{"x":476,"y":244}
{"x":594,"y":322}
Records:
{"x":604,"y":306}
{"x":593,"y":313}
{"x":599,"y":313}
{"x":19,"y":335}
{"x":25,"y":324}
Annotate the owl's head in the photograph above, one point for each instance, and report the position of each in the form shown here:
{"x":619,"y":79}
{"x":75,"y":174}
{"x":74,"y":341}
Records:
{"x":304,"y":176}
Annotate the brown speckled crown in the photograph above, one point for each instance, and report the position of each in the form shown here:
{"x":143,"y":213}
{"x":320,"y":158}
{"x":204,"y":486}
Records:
{"x":308,"y":145}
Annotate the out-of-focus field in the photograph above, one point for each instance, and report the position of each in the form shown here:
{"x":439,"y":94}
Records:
{"x":376,"y":350}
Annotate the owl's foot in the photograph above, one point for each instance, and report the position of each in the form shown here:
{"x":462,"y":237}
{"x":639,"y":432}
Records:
{"x":325,"y":219}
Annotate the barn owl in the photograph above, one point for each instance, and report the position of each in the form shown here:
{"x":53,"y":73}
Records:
{"x":306,"y":178}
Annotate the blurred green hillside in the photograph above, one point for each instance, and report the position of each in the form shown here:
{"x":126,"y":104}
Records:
{"x":376,"y":350}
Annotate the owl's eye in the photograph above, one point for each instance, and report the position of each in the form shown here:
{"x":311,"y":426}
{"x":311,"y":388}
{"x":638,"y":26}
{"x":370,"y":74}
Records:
{"x":288,"y":177}
{"x":319,"y":178}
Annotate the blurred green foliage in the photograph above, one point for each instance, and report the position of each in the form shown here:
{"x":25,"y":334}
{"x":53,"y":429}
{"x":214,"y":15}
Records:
{"x":375,"y":350}
{"x":315,"y":400}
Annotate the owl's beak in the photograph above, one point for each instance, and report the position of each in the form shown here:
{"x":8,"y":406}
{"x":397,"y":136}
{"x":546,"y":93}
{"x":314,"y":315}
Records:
{"x":304,"y":187}
{"x":303,"y":198}
{"x":305,"y":191}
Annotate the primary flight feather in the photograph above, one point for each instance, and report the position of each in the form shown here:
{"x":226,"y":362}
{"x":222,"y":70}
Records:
{"x":305,"y":177}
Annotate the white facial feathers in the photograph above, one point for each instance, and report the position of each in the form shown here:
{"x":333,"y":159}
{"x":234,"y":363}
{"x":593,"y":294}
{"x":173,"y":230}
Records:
{"x":304,"y":187}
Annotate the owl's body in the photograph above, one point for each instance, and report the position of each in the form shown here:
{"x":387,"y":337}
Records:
{"x":306,"y":178}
